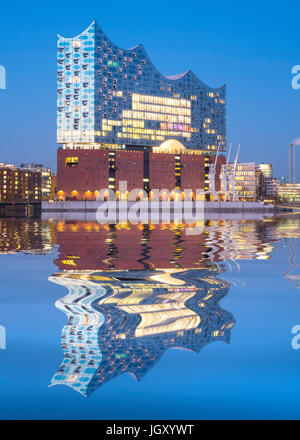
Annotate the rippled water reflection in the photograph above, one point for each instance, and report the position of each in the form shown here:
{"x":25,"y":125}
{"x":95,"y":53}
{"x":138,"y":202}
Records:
{"x":132,"y":292}
{"x":124,"y":321}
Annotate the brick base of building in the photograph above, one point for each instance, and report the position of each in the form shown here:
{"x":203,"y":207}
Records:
{"x":82,"y":173}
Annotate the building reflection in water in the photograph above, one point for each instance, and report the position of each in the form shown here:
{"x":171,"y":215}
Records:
{"x":27,"y":235}
{"x":124,"y":321}
{"x":86,"y":245}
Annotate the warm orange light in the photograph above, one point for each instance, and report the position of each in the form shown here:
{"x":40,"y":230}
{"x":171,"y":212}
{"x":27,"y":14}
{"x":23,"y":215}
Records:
{"x":60,"y":226}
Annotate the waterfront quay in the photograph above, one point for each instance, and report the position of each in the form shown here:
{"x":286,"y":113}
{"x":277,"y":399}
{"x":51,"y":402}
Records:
{"x":92,"y":206}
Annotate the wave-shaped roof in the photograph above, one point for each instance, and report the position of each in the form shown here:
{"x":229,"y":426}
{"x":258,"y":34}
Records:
{"x":145,"y":54}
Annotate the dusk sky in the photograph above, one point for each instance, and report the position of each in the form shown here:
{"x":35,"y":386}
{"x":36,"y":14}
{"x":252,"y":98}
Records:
{"x":250,"y":46}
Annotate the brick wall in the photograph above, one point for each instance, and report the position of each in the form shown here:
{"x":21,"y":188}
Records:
{"x":83,"y":180}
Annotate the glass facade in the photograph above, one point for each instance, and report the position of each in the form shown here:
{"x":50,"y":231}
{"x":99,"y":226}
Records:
{"x":110,"y":97}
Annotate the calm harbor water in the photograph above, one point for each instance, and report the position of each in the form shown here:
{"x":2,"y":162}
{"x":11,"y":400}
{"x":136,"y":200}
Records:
{"x":147,"y":322}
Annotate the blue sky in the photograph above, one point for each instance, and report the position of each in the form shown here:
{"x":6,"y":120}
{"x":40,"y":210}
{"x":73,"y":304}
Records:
{"x":249,"y":46}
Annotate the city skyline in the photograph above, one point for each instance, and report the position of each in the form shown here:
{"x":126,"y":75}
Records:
{"x":263,"y":127}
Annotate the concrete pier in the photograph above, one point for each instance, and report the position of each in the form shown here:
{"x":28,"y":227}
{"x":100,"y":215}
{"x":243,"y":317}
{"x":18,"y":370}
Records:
{"x":92,"y":206}
{"x":82,"y":210}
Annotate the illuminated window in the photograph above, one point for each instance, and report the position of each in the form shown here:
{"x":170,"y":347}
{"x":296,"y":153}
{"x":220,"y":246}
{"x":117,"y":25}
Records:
{"x":71,"y":162}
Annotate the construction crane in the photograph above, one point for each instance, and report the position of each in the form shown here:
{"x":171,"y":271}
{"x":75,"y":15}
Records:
{"x":231,"y":176}
{"x":224,"y":172}
{"x":212,"y":175}
{"x":228,"y":155}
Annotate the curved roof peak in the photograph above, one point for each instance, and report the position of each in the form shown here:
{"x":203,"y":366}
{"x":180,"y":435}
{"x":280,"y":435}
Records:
{"x":178,"y":76}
